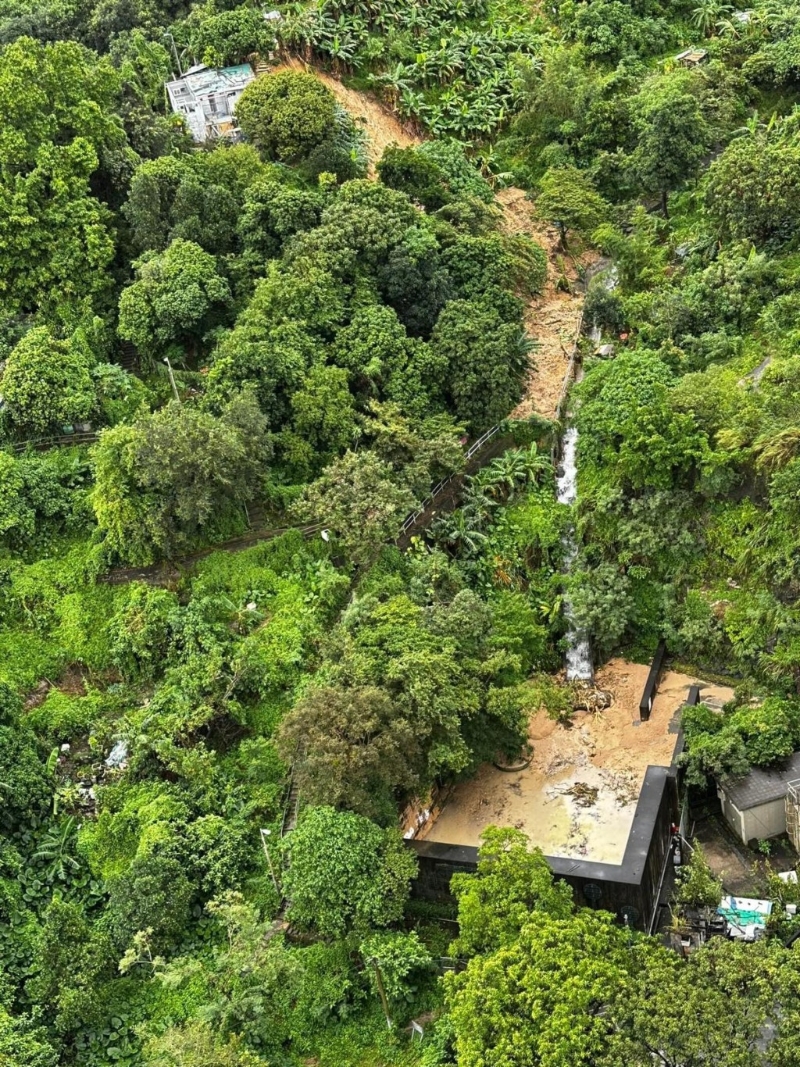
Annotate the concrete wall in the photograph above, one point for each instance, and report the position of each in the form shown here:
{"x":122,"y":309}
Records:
{"x":634,"y":882}
{"x":767,"y":820}
{"x":732,"y":815}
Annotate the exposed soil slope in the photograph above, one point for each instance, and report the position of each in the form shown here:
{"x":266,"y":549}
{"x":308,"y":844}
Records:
{"x":551,"y":319}
{"x":380,"y":125}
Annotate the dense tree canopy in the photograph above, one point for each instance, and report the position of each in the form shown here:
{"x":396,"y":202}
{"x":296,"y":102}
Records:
{"x":229,"y":684}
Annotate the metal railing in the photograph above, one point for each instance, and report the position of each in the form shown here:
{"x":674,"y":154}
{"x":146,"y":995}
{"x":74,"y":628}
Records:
{"x":42,"y":444}
{"x":473,"y":450}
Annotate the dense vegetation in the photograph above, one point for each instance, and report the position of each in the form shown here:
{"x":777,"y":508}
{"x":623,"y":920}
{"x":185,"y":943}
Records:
{"x":336,"y":337}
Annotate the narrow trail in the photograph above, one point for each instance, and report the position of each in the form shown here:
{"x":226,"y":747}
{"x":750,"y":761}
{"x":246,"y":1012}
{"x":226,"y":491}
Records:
{"x":170,"y":572}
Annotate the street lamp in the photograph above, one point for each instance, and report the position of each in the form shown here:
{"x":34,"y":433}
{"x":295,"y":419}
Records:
{"x":172,"y":380}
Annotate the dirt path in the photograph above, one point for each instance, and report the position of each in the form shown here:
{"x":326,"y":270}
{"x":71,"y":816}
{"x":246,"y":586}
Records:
{"x":551,"y":319}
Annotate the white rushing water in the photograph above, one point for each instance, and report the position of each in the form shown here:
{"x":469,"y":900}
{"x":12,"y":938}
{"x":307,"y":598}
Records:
{"x":579,"y":652}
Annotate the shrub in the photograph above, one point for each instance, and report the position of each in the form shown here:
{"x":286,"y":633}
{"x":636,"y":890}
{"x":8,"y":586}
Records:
{"x":346,"y":873}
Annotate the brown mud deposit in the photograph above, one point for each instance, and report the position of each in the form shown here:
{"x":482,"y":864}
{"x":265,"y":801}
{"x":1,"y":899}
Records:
{"x":578,"y":796}
{"x":552,"y":318}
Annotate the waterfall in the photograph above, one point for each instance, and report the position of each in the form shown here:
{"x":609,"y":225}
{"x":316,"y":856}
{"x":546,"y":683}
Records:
{"x":579,"y":652}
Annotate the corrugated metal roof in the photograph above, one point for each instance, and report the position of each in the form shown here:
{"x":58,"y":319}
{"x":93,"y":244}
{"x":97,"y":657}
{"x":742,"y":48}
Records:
{"x":203,"y":80}
{"x":761,"y":786}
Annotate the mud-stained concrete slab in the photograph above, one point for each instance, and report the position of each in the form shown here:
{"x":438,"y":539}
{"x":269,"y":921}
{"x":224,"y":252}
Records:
{"x":578,"y":796}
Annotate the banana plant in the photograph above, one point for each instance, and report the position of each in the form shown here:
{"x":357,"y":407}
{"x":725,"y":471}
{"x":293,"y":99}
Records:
{"x":56,"y":847}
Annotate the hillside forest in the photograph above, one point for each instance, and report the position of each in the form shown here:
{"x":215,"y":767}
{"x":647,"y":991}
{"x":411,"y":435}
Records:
{"x":229,"y":372}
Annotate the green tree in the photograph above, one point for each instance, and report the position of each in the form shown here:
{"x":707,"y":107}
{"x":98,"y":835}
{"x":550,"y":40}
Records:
{"x":486,"y":360}
{"x":17,"y":517}
{"x":350,"y":748}
{"x":62,"y":119}
{"x":415,"y":174}
{"x":140,"y":629}
{"x":673,"y":136}
{"x":324,"y":416}
{"x":46,"y":383}
{"x":287,"y":115}
{"x":711,"y":1008}
{"x":196,"y":197}
{"x":511,"y":882}
{"x":567,"y":197}
{"x":273,"y":212}
{"x":176,"y":298}
{"x":374,"y":347}
{"x":753,"y":189}
{"x":276,"y":339}
{"x":153,"y":894}
{"x":243,"y":985}
{"x":24,"y":1045}
{"x":699,"y":886}
{"x":543,"y":996}
{"x":345,"y":873}
{"x":399,"y":956}
{"x":358,"y":498}
{"x":165,"y":478}
{"x":71,"y":961}
{"x":224,"y":37}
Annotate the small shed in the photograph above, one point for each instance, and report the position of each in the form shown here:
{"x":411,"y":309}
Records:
{"x":754,"y":805}
{"x":692,"y":57}
{"x":207,"y":98}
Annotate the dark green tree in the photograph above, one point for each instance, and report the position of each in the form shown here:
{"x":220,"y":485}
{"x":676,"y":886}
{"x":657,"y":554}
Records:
{"x":176,"y":298}
{"x":163,"y":479}
{"x":359,"y":499}
{"x":287,"y":115}
{"x":486,"y":359}
{"x":351,"y":749}
{"x":567,"y":198}
{"x":346,"y":873}
{"x":673,"y":136}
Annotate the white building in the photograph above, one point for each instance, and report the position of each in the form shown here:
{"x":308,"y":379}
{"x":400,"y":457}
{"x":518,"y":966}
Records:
{"x":207,"y":99}
{"x":755,"y":805}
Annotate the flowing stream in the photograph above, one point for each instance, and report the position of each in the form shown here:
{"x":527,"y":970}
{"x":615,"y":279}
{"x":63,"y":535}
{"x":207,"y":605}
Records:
{"x":579,"y":651}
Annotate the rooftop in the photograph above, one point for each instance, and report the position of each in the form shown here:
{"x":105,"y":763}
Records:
{"x":578,"y":797}
{"x":202,"y":80}
{"x":761,"y":786}
{"x":692,"y":55}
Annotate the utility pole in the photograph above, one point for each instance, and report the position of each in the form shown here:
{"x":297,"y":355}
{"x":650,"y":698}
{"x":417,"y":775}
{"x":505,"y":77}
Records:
{"x":175,"y":53}
{"x":264,"y":835}
{"x":172,"y":380}
{"x":382,"y":991}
